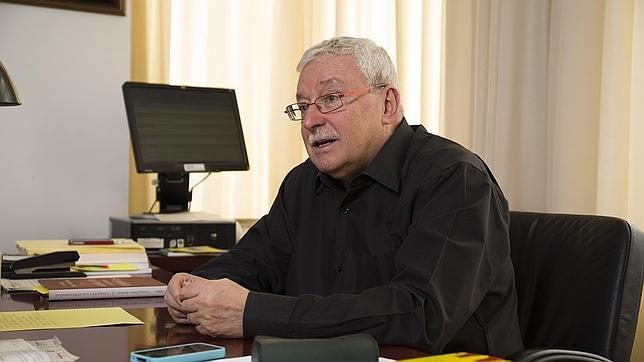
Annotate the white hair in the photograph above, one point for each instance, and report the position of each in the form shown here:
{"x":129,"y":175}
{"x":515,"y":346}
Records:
{"x":372,"y":60}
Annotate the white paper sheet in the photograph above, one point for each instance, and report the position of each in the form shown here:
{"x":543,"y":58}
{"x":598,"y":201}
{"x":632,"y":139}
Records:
{"x":46,"y":350}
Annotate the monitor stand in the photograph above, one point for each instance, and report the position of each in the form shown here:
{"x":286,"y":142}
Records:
{"x":172,"y":192}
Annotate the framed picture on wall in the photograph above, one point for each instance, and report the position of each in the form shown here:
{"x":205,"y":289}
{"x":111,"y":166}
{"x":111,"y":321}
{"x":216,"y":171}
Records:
{"x":113,"y":7}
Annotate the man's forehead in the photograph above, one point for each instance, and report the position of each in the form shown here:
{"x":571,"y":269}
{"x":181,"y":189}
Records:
{"x":318,"y":85}
{"x":330,"y":81}
{"x":325,"y":82}
{"x":327,"y":69}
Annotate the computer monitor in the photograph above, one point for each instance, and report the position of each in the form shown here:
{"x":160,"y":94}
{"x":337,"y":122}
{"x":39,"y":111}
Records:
{"x":176,"y":130}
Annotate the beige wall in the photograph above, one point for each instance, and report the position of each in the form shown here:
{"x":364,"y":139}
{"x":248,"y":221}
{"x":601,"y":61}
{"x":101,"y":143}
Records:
{"x":64,"y":151}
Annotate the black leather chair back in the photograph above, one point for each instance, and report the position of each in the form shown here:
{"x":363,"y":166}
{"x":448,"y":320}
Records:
{"x":579,"y":281}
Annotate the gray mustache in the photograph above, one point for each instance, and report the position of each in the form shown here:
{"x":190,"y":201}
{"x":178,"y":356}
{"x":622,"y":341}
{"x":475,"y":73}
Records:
{"x":322,"y":134}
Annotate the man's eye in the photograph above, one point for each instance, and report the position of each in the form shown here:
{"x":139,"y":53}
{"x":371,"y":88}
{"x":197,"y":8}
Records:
{"x":331,"y":98}
{"x":303,"y":106}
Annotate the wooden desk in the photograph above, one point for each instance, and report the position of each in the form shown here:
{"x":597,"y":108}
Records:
{"x":115,"y":343}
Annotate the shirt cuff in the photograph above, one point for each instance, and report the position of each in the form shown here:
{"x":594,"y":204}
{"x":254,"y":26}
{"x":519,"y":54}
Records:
{"x":267,"y":314}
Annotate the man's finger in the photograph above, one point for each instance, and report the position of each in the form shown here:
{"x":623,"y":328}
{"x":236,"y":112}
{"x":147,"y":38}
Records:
{"x":189,"y":305}
{"x":177,"y":312}
{"x":190,"y":290}
{"x":200,"y":329}
{"x":177,"y":316}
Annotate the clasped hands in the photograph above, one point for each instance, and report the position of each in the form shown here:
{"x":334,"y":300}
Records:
{"x":215,"y":307}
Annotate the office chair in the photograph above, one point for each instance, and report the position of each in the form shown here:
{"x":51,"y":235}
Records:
{"x":579,"y":283}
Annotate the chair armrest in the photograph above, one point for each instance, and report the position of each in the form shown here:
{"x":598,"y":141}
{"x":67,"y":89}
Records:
{"x":548,"y":355}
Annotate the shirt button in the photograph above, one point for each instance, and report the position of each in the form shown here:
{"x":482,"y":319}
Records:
{"x":340,"y":268}
{"x":346,"y":211}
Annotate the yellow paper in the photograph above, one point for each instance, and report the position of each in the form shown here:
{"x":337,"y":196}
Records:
{"x":41,"y":289}
{"x":201,"y":249}
{"x":64,"y":318}
{"x":456,"y":357}
{"x":33,"y":247}
{"x":105,"y":268}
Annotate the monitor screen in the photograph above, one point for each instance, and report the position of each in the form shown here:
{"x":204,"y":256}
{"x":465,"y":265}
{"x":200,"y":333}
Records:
{"x":180,"y":129}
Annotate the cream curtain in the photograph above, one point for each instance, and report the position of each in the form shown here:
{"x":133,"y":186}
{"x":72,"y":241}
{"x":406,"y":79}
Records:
{"x":251,"y":47}
{"x":150,"y":63}
{"x":551,"y":94}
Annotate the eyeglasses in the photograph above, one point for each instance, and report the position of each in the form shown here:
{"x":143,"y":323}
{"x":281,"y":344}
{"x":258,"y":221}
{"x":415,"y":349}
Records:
{"x":327,"y":103}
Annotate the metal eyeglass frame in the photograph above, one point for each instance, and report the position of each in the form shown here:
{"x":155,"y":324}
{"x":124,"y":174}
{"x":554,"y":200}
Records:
{"x":326,"y":103}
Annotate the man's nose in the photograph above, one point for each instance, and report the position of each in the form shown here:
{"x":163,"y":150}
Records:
{"x":312,"y":117}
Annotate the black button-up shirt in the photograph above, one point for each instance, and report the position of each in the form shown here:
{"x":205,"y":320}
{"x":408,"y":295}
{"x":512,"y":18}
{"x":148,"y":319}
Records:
{"x":414,"y":252}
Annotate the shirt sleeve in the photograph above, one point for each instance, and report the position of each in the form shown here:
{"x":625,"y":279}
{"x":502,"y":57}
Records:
{"x":260,"y":260}
{"x":456,"y":244}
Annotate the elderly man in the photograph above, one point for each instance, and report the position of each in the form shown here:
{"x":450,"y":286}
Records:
{"x":385,"y":229}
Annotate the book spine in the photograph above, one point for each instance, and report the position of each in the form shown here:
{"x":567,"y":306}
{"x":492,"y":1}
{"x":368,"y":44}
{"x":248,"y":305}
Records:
{"x":104,"y":293}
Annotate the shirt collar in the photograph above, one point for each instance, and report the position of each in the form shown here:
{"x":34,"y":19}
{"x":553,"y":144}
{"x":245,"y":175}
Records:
{"x":385,"y":168}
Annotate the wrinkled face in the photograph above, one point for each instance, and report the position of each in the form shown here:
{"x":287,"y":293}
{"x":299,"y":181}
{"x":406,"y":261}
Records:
{"x":340,"y":143}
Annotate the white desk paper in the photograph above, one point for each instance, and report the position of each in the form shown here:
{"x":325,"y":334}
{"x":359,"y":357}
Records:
{"x":46,"y":350}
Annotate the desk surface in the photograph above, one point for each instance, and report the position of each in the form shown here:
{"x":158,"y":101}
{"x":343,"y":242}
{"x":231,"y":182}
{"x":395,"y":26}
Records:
{"x":115,"y":343}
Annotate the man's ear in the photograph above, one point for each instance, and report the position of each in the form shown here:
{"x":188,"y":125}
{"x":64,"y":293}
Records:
{"x":392,"y":108}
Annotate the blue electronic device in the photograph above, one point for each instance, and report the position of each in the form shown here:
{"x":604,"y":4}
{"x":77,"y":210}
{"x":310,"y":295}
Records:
{"x":190,"y":352}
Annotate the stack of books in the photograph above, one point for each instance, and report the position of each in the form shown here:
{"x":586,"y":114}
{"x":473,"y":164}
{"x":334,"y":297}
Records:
{"x":104,"y":257}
